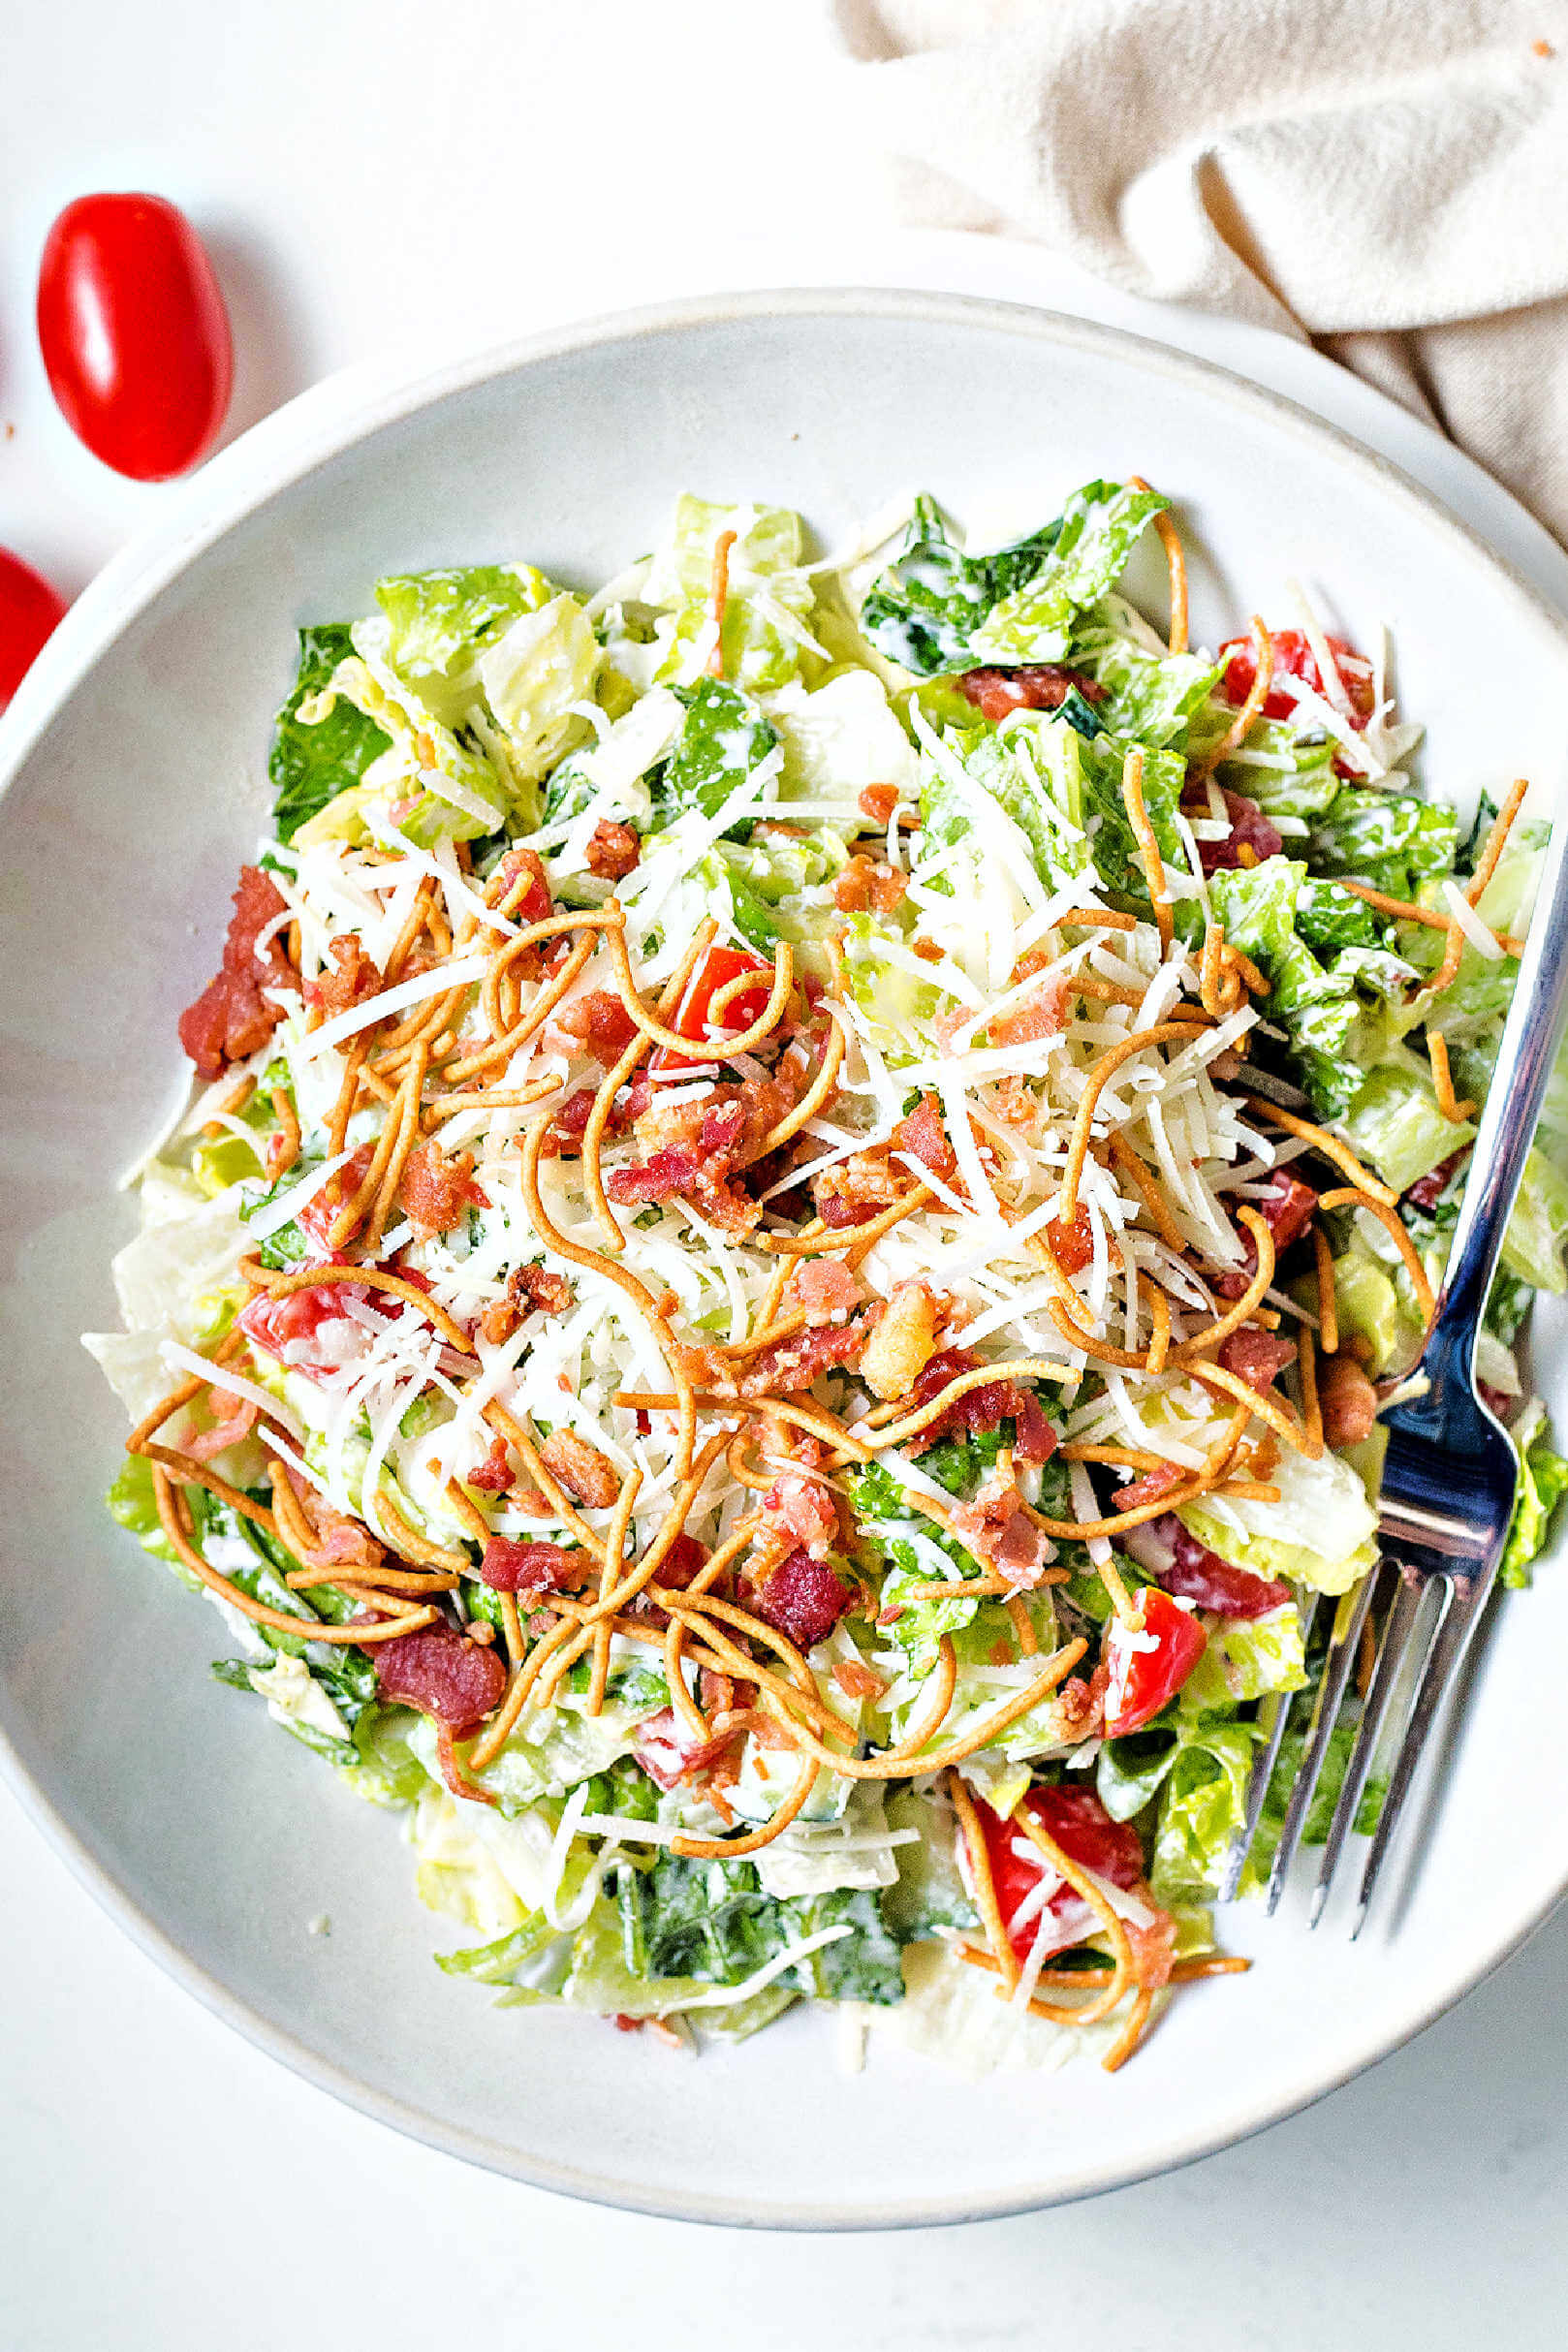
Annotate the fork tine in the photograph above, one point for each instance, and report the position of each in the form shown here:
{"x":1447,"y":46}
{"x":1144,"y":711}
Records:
{"x":1392,"y":1654}
{"x":1331,"y":1690}
{"x":1462,"y":1604}
{"x":1262,"y":1773}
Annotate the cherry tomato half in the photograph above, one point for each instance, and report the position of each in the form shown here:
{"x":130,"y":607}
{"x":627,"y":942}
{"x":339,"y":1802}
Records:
{"x":1294,"y":657}
{"x":1149,"y":1667}
{"x":29,"y":612}
{"x":134,"y":333}
{"x":1084,"y":1831}
{"x":717,"y":969}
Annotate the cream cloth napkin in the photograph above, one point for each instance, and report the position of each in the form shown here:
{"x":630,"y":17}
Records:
{"x":1388,"y":178}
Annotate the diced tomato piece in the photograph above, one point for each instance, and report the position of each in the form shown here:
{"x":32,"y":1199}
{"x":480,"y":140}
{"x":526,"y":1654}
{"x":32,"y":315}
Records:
{"x":321,"y":1211}
{"x":1287,"y":1209}
{"x":717,"y":968}
{"x":276,"y":1324}
{"x":1294,"y":658}
{"x":1149,"y":1666}
{"x":1084,"y":1831}
{"x":1032,"y":686}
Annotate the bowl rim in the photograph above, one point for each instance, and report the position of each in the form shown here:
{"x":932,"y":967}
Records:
{"x":282,"y":452}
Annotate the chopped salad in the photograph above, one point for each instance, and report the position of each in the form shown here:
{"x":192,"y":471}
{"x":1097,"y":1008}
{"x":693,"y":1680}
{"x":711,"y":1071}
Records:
{"x":807,"y":1181}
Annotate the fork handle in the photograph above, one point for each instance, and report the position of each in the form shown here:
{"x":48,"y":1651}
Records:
{"x":1507,"y":1128}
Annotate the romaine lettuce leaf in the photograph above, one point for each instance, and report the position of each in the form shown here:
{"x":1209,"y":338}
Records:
{"x":1095,"y":533}
{"x":925,"y":609}
{"x":441,"y":621}
{"x":1150,"y":698}
{"x":723,"y":737}
{"x":316,"y":757}
{"x":1394,"y":1122}
{"x":839,"y":738}
{"x":1543,"y":1482}
{"x":1246,"y":1658}
{"x":535,"y":677}
{"x":709,"y":1923}
{"x":769,"y":601}
{"x":1287,"y":774}
{"x":1203,"y":1806}
{"x":1392,"y":840}
{"x":1322,"y":1532}
{"x":1535,"y":1246}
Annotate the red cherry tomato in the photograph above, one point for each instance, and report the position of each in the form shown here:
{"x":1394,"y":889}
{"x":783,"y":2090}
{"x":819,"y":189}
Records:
{"x":134,"y":333}
{"x":1084,"y":1831}
{"x":718,"y":967}
{"x":30,"y":612}
{"x":1149,"y":1666}
{"x":1294,"y":658}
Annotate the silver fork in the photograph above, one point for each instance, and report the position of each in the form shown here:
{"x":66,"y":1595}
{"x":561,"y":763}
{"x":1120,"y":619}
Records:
{"x":1451,"y":1471}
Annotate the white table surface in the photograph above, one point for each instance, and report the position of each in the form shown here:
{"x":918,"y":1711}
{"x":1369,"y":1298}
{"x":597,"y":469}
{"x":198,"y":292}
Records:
{"x":384,"y":176}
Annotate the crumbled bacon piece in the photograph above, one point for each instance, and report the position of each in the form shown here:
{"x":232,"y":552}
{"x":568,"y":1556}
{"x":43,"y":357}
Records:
{"x":1072,"y":1246}
{"x":695,"y":1150}
{"x":510,"y":1567}
{"x":1151,"y":1486}
{"x":238,"y":1420}
{"x":801,"y":1511}
{"x":1042,"y":1013}
{"x":683,"y":1560}
{"x":441,"y":1673}
{"x":1286,"y":1208}
{"x":613,"y":850}
{"x":601,"y":1022}
{"x":1032,"y":686}
{"x":1256,"y":1357}
{"x":978,"y":1411}
{"x":1348,"y":1400}
{"x":802,"y":1599}
{"x":997,"y":1529}
{"x":435,"y":1191}
{"x":353,"y":980}
{"x":868,"y":882}
{"x":336,"y":1541}
{"x":580,"y":1469}
{"x":494,"y":1474}
{"x":821,"y":1288}
{"x":230,"y":1018}
{"x":791,"y":1364}
{"x":852,"y":1191}
{"x":668,"y":1756}
{"x":878,"y":803}
{"x":1429,"y":1190}
{"x":566,"y":1128}
{"x":522,"y":887}
{"x":923,"y":1136}
{"x":1035,"y":1439}
{"x":537,"y":1286}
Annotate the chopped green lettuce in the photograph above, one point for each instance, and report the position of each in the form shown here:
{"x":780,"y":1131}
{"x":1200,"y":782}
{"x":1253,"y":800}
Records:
{"x":319,"y":748}
{"x":1095,"y":533}
{"x":1543,"y":1482}
{"x":1246,"y":1658}
{"x":441,"y":621}
{"x":1392,"y":840}
{"x":925,"y":609}
{"x":1322,"y":1532}
{"x":1394,"y":1122}
{"x":1151,"y":698}
{"x":723,"y":738}
{"x":1287,"y":774}
{"x":1535,"y":1246}
{"x":768,"y":600}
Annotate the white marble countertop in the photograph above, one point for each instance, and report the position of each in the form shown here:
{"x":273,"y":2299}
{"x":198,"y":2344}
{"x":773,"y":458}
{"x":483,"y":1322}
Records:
{"x":375,"y":176}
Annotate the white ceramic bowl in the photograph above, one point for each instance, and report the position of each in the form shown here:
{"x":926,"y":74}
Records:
{"x":135,"y":765}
